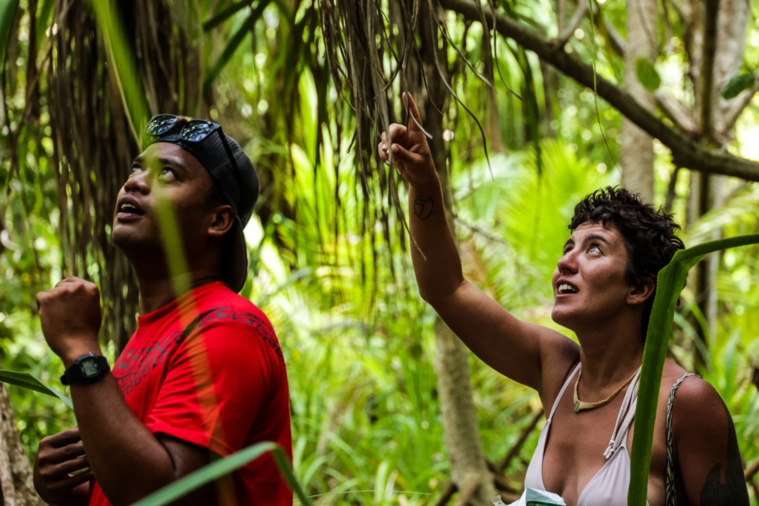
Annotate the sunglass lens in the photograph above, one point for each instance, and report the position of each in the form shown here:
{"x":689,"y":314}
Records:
{"x":196,"y":131}
{"x":161,"y":124}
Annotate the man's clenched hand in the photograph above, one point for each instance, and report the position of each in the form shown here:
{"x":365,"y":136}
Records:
{"x":70,"y":316}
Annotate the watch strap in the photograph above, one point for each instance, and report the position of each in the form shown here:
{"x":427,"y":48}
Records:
{"x":76,"y":372}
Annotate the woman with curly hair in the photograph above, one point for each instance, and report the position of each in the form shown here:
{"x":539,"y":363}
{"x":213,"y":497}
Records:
{"x":604,"y":286}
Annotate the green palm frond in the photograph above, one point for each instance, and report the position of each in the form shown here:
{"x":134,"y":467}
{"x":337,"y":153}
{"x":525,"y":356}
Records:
{"x":669,"y":283}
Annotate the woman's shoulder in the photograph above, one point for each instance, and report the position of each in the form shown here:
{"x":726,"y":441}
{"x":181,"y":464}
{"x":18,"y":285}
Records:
{"x":690,"y":384}
{"x":694,"y":398}
{"x":705,"y":443}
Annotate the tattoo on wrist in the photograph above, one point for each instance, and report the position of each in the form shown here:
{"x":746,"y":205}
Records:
{"x":423,"y":207}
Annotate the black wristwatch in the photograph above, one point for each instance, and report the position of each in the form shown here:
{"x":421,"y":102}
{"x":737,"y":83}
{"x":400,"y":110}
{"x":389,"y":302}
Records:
{"x":87,"y":369}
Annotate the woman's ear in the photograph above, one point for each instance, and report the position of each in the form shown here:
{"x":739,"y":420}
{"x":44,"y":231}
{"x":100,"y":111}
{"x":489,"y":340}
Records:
{"x":221,"y":221}
{"x":640,"y":292}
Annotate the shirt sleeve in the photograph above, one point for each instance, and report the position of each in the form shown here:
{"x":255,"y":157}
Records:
{"x":214,"y":387}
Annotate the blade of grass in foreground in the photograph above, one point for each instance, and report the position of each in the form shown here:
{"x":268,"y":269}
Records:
{"x":121,"y":59}
{"x":222,"y":467}
{"x":669,"y":283}
{"x":7,"y":15}
{"x":26,"y":380}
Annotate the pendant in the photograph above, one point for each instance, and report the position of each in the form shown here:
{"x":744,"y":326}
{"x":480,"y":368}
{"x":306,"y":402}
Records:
{"x":577,"y":407}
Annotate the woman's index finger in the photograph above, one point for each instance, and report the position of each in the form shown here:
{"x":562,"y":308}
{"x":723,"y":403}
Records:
{"x":415,"y":119}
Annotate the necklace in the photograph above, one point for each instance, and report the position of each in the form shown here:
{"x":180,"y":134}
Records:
{"x":583,"y":406}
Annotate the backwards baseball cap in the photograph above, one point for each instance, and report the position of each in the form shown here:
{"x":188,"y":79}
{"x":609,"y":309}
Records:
{"x":231,"y":171}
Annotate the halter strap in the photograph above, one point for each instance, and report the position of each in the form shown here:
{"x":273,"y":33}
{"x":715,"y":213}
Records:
{"x":670,"y":496}
{"x":627,"y":410}
{"x":563,"y":389}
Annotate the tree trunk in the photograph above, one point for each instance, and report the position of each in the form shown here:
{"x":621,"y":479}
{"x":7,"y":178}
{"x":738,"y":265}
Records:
{"x":706,"y":271}
{"x":734,"y":16}
{"x":461,"y":431}
{"x":726,"y":39}
{"x":460,"y":427}
{"x":637,"y":151}
{"x":16,"y":488}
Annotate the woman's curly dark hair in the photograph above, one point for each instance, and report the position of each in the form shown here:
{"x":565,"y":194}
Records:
{"x":649,"y":235}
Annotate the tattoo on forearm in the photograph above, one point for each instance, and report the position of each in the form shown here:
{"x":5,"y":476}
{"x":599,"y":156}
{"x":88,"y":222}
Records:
{"x":734,"y":490}
{"x":423,"y":207}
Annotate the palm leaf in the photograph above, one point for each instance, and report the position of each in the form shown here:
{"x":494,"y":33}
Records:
{"x":237,"y":39}
{"x":670,"y":281}
{"x":221,"y":468}
{"x":26,"y":380}
{"x":7,"y":14}
{"x":224,"y":14}
{"x":120,"y":57}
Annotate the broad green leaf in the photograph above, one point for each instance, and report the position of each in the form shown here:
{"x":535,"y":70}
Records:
{"x":670,"y":282}
{"x":221,"y":468}
{"x":7,"y":15}
{"x":26,"y":380}
{"x":121,"y":59}
{"x":647,"y":74}
{"x":737,"y":84}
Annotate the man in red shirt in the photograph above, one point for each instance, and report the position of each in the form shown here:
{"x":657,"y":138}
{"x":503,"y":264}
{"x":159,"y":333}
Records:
{"x":203,"y":376}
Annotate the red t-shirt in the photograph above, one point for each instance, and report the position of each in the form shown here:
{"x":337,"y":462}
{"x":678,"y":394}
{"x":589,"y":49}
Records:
{"x":207,"y":369}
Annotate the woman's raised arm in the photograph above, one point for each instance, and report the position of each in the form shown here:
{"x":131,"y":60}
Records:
{"x":515,"y":348}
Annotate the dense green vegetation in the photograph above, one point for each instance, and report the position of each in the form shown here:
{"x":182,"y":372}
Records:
{"x":329,"y":253}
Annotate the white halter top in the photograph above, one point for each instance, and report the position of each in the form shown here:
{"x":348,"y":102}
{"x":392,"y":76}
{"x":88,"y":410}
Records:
{"x":609,"y":485}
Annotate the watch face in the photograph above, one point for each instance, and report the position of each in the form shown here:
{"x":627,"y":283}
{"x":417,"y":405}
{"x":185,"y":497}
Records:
{"x":89,"y":368}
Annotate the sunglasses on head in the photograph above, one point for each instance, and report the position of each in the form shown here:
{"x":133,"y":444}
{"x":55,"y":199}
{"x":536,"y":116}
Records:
{"x":192,"y":130}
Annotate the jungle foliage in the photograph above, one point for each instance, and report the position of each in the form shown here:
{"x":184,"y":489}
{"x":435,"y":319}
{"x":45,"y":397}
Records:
{"x":306,"y":86}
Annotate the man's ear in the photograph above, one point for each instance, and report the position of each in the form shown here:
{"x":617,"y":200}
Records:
{"x":221,"y":221}
{"x":640,"y":292}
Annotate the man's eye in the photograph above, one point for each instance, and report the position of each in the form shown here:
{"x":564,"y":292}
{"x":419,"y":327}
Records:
{"x":136,"y":168}
{"x":594,"y":249}
{"x":165,"y":171}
